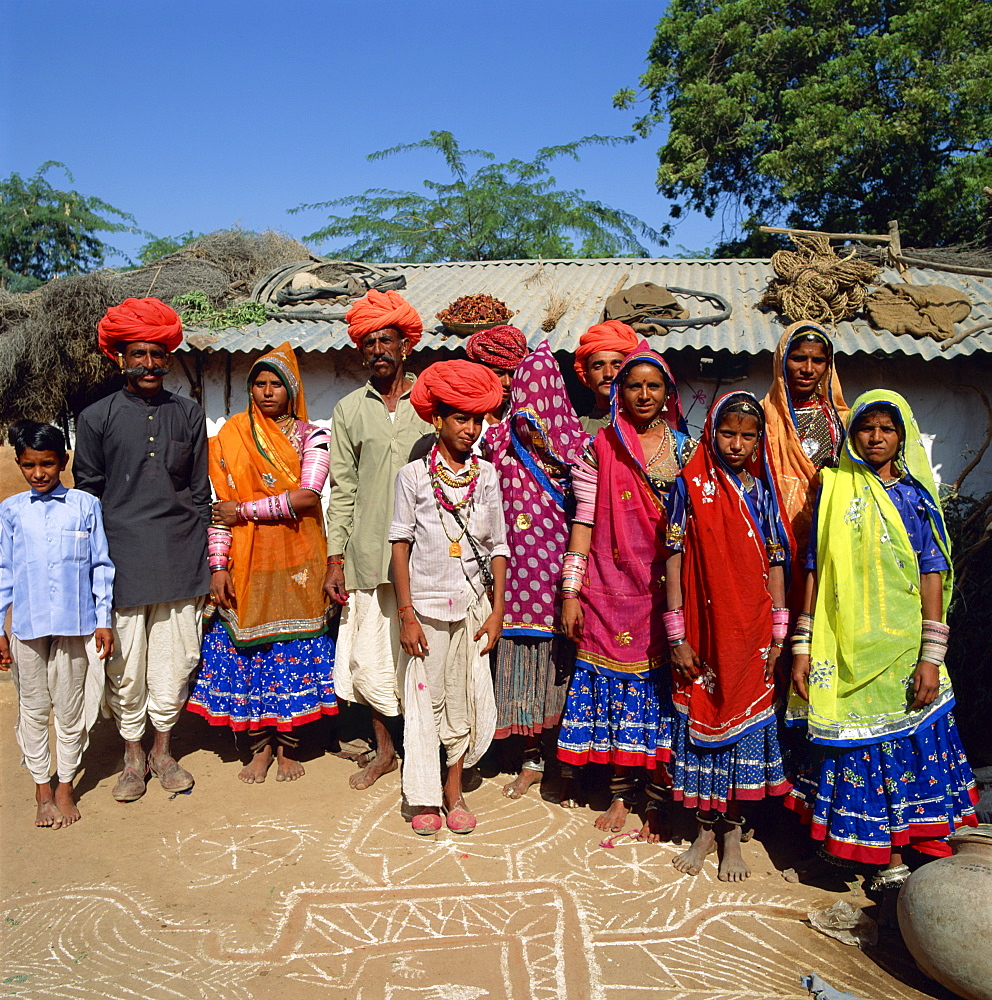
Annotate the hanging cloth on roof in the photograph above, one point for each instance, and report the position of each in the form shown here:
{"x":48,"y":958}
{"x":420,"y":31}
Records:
{"x":652,"y":309}
{"x":922,"y":310}
{"x":641,"y":304}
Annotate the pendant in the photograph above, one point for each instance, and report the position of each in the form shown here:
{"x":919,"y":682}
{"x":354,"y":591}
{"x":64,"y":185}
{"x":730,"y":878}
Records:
{"x":810,"y":446}
{"x":455,"y":550}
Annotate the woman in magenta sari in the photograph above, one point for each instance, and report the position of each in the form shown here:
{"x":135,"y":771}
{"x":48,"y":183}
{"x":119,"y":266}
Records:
{"x":613,"y":588}
{"x":533,"y":451}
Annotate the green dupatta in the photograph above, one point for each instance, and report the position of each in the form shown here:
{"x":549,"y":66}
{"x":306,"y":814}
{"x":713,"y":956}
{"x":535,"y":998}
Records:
{"x":867,"y":623}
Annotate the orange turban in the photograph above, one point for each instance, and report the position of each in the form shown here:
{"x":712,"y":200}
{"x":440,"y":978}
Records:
{"x":468,"y":387}
{"x":149,"y":320}
{"x":609,"y":336}
{"x":499,"y":347}
{"x":377,"y":310}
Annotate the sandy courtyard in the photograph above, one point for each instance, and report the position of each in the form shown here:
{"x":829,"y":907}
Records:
{"x":311,"y":890}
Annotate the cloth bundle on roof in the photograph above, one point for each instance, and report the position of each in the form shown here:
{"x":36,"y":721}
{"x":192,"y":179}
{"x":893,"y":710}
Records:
{"x":922,"y":310}
{"x":641,"y":304}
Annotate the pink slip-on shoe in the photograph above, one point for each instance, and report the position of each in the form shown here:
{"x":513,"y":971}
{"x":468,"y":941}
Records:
{"x":460,"y":821}
{"x":425,"y":824}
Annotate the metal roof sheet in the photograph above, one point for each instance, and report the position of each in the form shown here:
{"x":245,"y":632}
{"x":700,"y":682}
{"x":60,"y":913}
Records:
{"x":524,"y":285}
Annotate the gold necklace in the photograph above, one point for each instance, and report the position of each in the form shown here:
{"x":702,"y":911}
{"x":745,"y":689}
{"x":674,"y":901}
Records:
{"x":665,"y":442}
{"x":454,"y":548}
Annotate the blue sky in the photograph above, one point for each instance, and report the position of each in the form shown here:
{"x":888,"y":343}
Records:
{"x":202,"y":115}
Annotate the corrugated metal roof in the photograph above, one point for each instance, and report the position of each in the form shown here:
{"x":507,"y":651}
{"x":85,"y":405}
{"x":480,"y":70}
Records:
{"x":525,"y":286}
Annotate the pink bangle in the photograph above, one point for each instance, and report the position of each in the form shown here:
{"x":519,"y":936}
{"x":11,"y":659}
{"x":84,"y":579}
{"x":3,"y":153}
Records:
{"x":674,"y":626}
{"x":780,"y":623}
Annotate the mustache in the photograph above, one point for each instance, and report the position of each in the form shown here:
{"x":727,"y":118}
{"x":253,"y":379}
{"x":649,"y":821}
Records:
{"x":140,"y":371}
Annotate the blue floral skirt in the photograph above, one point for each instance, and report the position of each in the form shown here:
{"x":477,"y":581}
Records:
{"x":747,"y":770}
{"x":278,"y":685}
{"x":609,"y":720}
{"x":866,"y":801}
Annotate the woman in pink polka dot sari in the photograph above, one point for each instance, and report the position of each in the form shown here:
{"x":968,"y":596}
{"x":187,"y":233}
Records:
{"x":533,"y":451}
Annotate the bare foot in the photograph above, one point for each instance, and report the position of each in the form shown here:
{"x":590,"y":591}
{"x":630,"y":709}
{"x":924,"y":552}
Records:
{"x":522,"y":782}
{"x":691,"y":862}
{"x":733,"y":868}
{"x":287,"y":769}
{"x":66,"y":803}
{"x":371,"y":773}
{"x":568,"y":796}
{"x":614,"y":817}
{"x":656,"y":826}
{"x":253,"y":773}
{"x":48,"y":812}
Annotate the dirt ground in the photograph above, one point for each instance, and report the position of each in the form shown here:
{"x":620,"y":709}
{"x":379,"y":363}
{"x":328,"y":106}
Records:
{"x":310,"y":889}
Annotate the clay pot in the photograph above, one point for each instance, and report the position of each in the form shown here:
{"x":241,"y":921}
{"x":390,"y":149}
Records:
{"x":945,"y":912}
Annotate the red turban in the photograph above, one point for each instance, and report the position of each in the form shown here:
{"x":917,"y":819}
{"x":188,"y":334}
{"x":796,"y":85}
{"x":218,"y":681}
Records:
{"x":609,"y":336}
{"x":377,"y":310}
{"x":149,"y":320}
{"x":468,"y":387}
{"x":500,"y":347}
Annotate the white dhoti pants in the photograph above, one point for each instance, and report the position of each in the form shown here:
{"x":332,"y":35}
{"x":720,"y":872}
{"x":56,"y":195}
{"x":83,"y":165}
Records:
{"x":368,"y":649}
{"x":60,"y":675}
{"x":448,"y":699}
{"x":156,"y":648}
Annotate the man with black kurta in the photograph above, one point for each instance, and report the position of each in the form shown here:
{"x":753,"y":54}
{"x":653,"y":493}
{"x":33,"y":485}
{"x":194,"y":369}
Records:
{"x":143,"y":452}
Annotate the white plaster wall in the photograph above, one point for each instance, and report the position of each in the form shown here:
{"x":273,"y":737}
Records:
{"x":951,"y":417}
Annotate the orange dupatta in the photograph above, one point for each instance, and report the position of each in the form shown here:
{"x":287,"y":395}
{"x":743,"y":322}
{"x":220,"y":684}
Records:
{"x":277,"y":566}
{"x":798,"y":478}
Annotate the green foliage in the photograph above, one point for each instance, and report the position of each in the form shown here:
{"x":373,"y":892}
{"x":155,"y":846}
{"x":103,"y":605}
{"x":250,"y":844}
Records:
{"x":196,"y":310}
{"x":831,"y":114}
{"x":499,"y":211}
{"x":162,"y":246}
{"x":46,"y":233}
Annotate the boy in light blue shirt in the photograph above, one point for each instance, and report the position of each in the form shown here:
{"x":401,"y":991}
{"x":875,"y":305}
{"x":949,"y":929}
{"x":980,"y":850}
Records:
{"x":55,"y":570}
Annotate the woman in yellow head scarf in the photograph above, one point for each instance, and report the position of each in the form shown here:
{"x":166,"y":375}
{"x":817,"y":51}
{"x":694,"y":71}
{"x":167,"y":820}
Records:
{"x":267,"y":659}
{"x":868,"y":676}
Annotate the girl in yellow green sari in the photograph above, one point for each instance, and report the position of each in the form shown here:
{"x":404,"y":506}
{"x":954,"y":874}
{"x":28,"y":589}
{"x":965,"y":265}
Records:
{"x":868,"y":676}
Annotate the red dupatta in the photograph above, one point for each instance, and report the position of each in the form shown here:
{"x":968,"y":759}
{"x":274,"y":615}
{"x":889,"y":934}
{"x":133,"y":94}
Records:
{"x":728,"y":609}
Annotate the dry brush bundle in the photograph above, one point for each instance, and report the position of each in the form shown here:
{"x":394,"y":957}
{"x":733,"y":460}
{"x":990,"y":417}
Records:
{"x":49,"y":361}
{"x":555,"y":306}
{"x":224,"y":265}
{"x":813,"y":283}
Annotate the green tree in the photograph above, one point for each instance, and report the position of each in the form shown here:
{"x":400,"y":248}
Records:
{"x":46,"y":233}
{"x":831,"y":114}
{"x":162,"y":246}
{"x":499,"y":211}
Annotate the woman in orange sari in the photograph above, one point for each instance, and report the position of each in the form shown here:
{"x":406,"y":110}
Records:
{"x":267,"y":658}
{"x":804,"y":426}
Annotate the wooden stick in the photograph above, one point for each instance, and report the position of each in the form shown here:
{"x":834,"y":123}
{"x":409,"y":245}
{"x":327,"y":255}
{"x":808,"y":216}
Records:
{"x":962,"y":334}
{"x":870,"y":237}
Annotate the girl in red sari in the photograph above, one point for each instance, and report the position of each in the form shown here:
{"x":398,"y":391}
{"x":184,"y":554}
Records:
{"x":613,"y":589}
{"x":726,"y":626}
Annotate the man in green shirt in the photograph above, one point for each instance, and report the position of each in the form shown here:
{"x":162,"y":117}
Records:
{"x":373,"y":431}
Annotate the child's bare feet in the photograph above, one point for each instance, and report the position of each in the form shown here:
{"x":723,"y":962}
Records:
{"x":691,"y":862}
{"x":65,"y":802}
{"x":733,"y":867}
{"x":48,"y":812}
{"x":253,"y":773}
{"x":287,"y":769}
{"x":614,"y":817}
{"x":522,"y":782}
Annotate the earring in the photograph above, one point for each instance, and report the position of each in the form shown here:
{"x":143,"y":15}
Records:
{"x":120,"y":362}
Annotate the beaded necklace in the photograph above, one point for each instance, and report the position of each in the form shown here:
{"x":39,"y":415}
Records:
{"x":441,"y":477}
